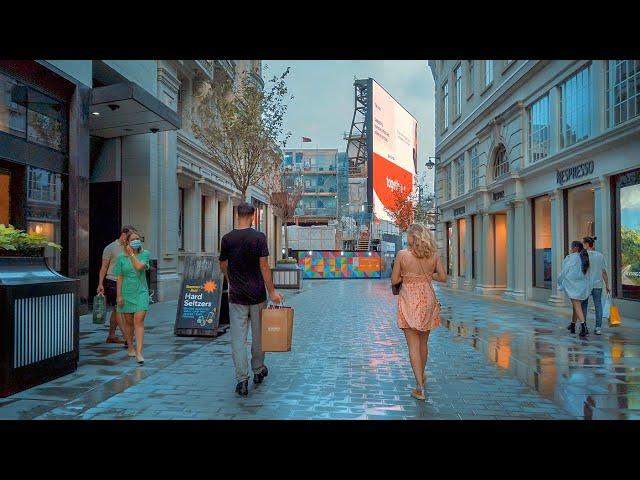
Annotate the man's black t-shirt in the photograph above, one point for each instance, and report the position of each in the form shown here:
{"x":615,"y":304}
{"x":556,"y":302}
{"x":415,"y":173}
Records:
{"x":242,"y":249}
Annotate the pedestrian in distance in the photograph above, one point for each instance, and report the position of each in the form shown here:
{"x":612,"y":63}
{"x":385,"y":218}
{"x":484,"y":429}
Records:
{"x":414,"y":271}
{"x":244,"y":260}
{"x":107,"y":283}
{"x":598,"y":280}
{"x":133,"y":291}
{"x":574,"y":280}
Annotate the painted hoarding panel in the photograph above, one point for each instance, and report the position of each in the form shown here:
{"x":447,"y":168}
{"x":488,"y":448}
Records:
{"x":323,"y":264}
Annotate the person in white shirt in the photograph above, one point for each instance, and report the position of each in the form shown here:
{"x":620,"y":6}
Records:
{"x":574,"y":280}
{"x":598,"y":280}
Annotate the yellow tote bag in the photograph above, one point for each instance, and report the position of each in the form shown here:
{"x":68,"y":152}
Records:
{"x":614,"y":316}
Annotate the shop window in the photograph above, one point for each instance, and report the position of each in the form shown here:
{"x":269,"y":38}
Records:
{"x":44,"y":202}
{"x":12,"y":107}
{"x":46,"y":121}
{"x":539,"y":123}
{"x":626,"y":201}
{"x":542,"y":241}
{"x":579,"y":222}
{"x":462,"y":247}
{"x":475,"y":247}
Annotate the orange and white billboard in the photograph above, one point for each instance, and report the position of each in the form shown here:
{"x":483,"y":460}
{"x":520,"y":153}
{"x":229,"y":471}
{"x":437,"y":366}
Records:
{"x":395,"y":150}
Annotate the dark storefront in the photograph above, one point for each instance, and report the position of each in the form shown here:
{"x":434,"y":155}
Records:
{"x":44,"y":145}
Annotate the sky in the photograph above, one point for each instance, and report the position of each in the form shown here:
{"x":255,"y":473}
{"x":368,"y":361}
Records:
{"x":323,"y":103}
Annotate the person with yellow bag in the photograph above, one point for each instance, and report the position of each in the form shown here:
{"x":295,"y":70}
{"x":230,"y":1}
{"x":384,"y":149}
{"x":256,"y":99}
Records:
{"x":574,"y":280}
{"x":598,"y":279}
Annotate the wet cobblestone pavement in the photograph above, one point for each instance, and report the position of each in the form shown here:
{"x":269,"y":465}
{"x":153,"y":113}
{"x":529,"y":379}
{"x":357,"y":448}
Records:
{"x":493,"y":360}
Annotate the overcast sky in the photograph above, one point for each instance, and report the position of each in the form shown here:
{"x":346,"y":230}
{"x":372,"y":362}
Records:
{"x":323,"y":105}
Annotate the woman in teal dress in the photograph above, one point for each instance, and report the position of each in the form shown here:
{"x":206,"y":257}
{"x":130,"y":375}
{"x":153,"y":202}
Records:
{"x":133,"y":292}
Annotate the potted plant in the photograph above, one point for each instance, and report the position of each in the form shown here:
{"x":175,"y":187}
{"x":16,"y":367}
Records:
{"x":18,"y":243}
{"x":287,"y":263}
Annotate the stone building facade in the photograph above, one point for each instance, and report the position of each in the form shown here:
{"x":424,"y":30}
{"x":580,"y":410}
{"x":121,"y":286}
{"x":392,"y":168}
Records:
{"x":531,"y":155}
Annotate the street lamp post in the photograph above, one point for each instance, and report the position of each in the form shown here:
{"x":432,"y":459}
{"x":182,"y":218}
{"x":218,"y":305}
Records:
{"x":431,"y":162}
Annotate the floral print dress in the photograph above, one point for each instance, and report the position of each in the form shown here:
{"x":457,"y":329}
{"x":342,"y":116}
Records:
{"x":418,"y":307}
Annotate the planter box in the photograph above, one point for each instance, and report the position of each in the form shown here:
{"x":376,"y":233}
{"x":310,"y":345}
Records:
{"x":287,"y":276}
{"x":39,"y":324}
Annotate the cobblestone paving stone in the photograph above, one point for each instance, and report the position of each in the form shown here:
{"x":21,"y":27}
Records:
{"x":348,"y":361}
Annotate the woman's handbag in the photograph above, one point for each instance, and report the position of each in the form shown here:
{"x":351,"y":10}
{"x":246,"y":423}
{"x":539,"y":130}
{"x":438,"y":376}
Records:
{"x":98,"y":308}
{"x":395,"y":289}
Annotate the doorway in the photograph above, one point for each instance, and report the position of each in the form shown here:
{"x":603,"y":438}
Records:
{"x":500,"y":249}
{"x":5,"y":197}
{"x":105,"y":200}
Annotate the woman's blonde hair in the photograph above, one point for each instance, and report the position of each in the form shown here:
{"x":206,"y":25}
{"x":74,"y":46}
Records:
{"x":421,"y":241}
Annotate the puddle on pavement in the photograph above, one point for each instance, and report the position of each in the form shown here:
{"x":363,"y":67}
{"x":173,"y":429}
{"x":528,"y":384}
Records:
{"x":594,"y":378}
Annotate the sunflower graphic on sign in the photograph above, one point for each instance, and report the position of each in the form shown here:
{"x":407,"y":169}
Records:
{"x":210,"y":286}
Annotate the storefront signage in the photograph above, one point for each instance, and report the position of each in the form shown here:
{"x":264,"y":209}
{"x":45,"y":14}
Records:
{"x":200,"y":295}
{"x":572,"y":173}
{"x":498,"y":195}
{"x":458,"y":211}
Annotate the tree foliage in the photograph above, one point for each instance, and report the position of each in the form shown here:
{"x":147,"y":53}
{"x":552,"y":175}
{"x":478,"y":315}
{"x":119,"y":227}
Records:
{"x":241,"y":126}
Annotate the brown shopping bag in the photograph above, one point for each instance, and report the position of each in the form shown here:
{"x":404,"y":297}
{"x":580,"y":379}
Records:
{"x":277,"y":328}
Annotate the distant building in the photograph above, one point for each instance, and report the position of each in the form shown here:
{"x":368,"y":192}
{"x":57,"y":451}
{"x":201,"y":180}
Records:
{"x":532,"y":155}
{"x":319,"y":171}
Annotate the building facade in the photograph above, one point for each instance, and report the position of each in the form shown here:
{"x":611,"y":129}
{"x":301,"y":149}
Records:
{"x":531,"y":155}
{"x":87,"y":146}
{"x":318,"y":170}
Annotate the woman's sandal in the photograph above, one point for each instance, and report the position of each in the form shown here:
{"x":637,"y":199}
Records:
{"x":418,"y":394}
{"x":131,"y":354}
{"x":140,"y":359}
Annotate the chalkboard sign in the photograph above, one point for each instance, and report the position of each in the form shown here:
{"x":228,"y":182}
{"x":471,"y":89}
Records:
{"x":200,"y":294}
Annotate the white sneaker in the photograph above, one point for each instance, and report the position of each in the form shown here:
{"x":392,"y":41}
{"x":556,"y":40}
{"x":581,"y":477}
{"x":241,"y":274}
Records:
{"x":598,"y":331}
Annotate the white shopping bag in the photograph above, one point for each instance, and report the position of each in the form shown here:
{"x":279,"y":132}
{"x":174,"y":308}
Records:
{"x":606,"y":306}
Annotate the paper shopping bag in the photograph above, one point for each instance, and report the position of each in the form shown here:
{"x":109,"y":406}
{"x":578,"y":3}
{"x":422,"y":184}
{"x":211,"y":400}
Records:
{"x":614,"y":316}
{"x":277,"y":328}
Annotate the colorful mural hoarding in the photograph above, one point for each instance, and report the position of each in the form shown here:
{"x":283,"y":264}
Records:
{"x":326,"y":264}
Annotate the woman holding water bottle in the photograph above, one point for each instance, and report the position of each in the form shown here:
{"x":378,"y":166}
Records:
{"x":133,"y":291}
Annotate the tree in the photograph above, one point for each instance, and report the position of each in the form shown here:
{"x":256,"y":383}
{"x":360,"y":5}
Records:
{"x":402,"y":209}
{"x":284,"y":188}
{"x":241,"y":126}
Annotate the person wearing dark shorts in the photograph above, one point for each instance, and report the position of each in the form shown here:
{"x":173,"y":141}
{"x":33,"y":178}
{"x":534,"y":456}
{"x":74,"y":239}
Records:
{"x":107,"y":284}
{"x":244,"y":259}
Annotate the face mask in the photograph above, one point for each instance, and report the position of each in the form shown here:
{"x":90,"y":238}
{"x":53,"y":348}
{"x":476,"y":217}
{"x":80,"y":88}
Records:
{"x":136,"y":244}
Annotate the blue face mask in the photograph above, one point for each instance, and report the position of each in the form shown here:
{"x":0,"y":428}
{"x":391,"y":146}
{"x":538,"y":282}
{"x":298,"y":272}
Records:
{"x":136,"y":244}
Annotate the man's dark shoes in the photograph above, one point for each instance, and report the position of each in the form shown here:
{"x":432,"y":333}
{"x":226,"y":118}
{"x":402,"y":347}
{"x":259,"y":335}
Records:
{"x":242,"y":388}
{"x":259,"y":377}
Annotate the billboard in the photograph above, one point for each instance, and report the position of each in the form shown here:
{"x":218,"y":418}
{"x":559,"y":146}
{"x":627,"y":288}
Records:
{"x":394,"y":150}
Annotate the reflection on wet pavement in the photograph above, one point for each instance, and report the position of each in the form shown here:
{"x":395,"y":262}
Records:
{"x":594,"y":378}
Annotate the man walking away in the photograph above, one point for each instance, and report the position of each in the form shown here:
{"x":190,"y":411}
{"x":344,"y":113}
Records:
{"x":244,"y":259}
{"x":108,"y":286}
{"x":598,"y":280}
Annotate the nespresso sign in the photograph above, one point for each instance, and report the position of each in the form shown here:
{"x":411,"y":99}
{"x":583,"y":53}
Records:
{"x":574,"y":173}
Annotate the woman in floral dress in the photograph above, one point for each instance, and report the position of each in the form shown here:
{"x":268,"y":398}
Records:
{"x":418,"y":307}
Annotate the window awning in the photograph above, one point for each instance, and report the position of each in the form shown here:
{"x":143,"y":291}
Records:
{"x":125,"y":109}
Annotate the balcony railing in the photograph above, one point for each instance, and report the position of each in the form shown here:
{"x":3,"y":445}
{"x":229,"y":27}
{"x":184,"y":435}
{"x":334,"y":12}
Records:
{"x":316,"y":212}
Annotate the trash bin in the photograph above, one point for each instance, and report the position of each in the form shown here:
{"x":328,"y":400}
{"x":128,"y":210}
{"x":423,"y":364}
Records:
{"x":39,"y":324}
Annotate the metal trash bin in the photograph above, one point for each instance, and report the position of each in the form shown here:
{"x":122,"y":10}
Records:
{"x":39,"y":324}
{"x":287,"y":276}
